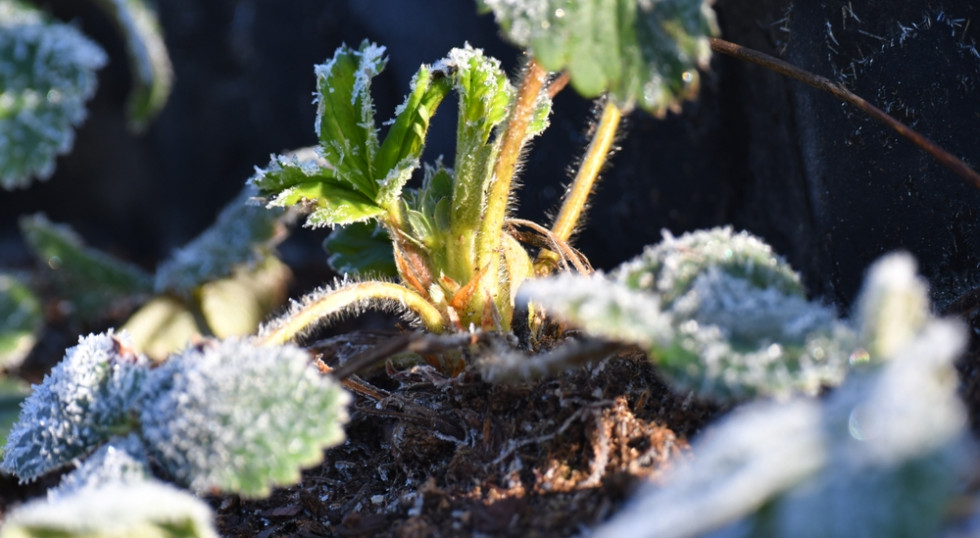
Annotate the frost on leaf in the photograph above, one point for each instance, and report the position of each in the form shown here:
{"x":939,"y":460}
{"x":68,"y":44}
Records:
{"x":242,"y":235}
{"x":47,"y":72}
{"x":893,"y":305}
{"x":361,"y":249}
{"x":114,"y":510}
{"x":234,"y":417}
{"x":122,"y":460}
{"x":86,"y":399}
{"x":21,"y":320}
{"x":881,"y":455}
{"x":718,"y":312}
{"x":149,"y":62}
{"x":642,"y":52}
{"x":93,"y":281}
{"x":355,"y":178}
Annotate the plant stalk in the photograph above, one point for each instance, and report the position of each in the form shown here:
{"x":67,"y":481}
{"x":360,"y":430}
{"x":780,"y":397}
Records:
{"x":577,"y":196}
{"x":951,"y":162}
{"x":344,"y":298}
{"x":488,"y":253}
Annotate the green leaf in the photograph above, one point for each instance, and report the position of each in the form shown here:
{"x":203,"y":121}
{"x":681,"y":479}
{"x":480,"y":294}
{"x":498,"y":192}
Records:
{"x":345,"y":121}
{"x":403,"y":144}
{"x":85,"y":400}
{"x":484,"y":99}
{"x":93,"y":281}
{"x":231,"y":416}
{"x":333,"y":201}
{"x":47,"y":72}
{"x":243,"y":234}
{"x":13,"y":392}
{"x":21,"y":319}
{"x":361,"y":249}
{"x":149,"y":62}
{"x":642,"y":52}
{"x":718,"y":312}
{"x":149,"y":509}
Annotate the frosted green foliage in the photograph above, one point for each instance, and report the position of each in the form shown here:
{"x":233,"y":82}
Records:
{"x":149,"y":61}
{"x":360,"y":178}
{"x":881,"y":456}
{"x":718,"y":312}
{"x":892,"y":306}
{"x":122,"y":460}
{"x":86,"y":399}
{"x":47,"y":72}
{"x":755,"y":453}
{"x":362,"y":248}
{"x":93,"y":281}
{"x":147,"y":509}
{"x":234,"y":417}
{"x":21,"y":320}
{"x":242,"y":235}
{"x":642,"y":52}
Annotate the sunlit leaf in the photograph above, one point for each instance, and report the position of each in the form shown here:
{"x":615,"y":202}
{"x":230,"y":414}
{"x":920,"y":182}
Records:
{"x":644,"y":53}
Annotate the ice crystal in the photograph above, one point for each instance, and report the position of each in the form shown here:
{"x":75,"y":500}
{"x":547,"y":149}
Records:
{"x":232,"y":416}
{"x":120,"y":461}
{"x":880,"y":456}
{"x":717,"y":311}
{"x":82,"y":402}
{"x":114,"y":510}
{"x":47,"y":72}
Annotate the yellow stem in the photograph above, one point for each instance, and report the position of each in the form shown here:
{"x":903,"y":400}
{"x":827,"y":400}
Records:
{"x":578,"y":194}
{"x":344,"y":298}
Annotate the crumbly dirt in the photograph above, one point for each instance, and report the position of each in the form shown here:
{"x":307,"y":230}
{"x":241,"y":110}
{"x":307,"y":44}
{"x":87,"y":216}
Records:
{"x":452,"y":456}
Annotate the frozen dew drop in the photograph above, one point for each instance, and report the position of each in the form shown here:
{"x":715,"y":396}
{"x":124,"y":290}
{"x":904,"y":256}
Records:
{"x":54,"y":262}
{"x":859,"y":356}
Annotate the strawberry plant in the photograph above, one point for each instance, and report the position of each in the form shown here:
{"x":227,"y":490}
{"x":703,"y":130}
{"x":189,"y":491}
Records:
{"x":128,"y":414}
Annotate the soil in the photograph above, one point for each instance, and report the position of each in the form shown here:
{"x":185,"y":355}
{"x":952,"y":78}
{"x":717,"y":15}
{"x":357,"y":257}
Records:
{"x":442,"y":456}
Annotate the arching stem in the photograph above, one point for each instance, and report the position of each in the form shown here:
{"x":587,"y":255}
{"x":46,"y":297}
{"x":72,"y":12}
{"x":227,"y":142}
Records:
{"x":951,"y":162}
{"x":577,"y":196}
{"x":344,"y":298}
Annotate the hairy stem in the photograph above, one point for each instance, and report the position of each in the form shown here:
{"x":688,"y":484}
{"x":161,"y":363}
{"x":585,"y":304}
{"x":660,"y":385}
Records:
{"x":491,"y":229}
{"x":577,"y":197}
{"x":344,"y":298}
{"x":945,"y":158}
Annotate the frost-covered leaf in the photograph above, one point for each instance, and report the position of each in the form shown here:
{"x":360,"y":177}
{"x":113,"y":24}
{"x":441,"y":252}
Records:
{"x":149,"y":509}
{"x":91,"y":280}
{"x":358,"y":178}
{"x":86,"y":399}
{"x":122,"y":460}
{"x":149,"y":62}
{"x":642,"y":52}
{"x":21,"y":320}
{"x":231,"y":416}
{"x":718,"y":312}
{"x":242,"y":235}
{"x":399,"y":154}
{"x":880,"y":456}
{"x":893,"y":305}
{"x":47,"y":72}
{"x":484,"y":101}
{"x":318,"y":188}
{"x":345,"y":122}
{"x":362,"y":248}
{"x":739,"y":464}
